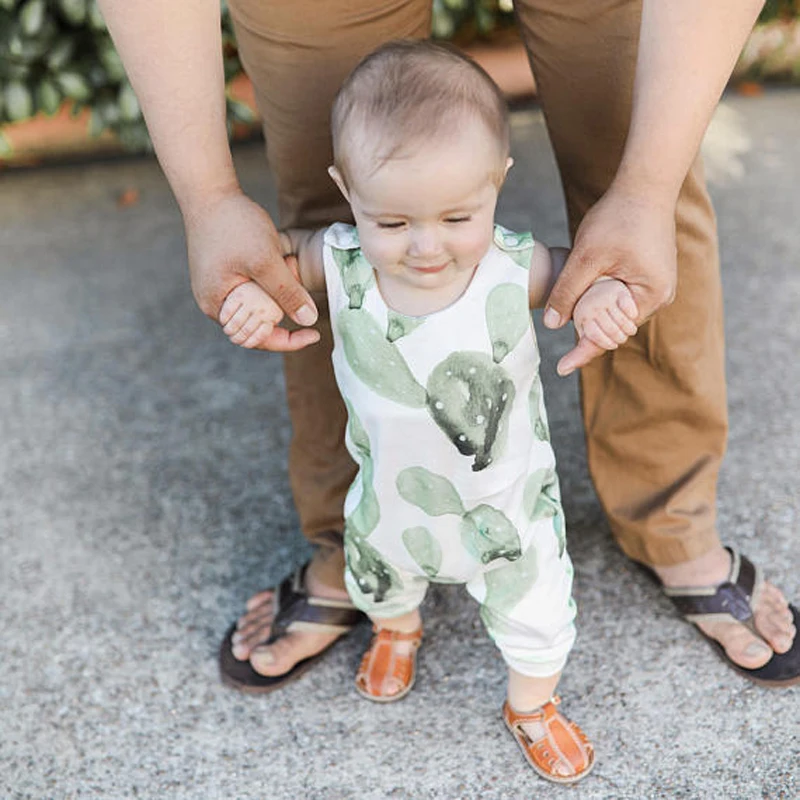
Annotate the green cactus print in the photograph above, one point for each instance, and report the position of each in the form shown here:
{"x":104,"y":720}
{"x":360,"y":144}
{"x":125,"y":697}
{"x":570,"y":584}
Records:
{"x":507,"y":585}
{"x":548,"y":504}
{"x":488,"y":534}
{"x":533,"y":488}
{"x":535,"y":408}
{"x":433,"y":493}
{"x":372,"y":574}
{"x":356,"y":273}
{"x":518,"y":246}
{"x":424,"y":549}
{"x":399,"y":325}
{"x":469,"y":398}
{"x":507,"y":318}
{"x":358,"y":436}
{"x":367,"y":514}
{"x":377,"y":362}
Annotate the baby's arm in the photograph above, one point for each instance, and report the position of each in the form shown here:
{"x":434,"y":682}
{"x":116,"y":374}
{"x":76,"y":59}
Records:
{"x":604,"y":316}
{"x":249,"y":316}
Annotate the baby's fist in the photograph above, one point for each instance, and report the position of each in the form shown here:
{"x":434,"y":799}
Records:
{"x":606,"y":314}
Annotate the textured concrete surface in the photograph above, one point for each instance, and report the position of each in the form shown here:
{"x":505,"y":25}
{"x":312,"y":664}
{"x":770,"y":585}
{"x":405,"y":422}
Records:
{"x":144,"y":496}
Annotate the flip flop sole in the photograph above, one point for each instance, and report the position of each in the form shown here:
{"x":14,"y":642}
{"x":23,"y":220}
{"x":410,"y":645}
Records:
{"x":240,"y":675}
{"x":781,"y":671}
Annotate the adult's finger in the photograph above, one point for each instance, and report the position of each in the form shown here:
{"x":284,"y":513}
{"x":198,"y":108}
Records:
{"x":281,"y":340}
{"x":279,"y":280}
{"x":580,"y":355}
{"x":580,"y":272}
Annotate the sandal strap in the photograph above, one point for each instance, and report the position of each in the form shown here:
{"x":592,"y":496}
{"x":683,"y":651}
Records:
{"x":562,"y":741}
{"x":733,"y":599}
{"x":297,"y":610}
{"x":382,"y":663}
{"x":386,"y":636}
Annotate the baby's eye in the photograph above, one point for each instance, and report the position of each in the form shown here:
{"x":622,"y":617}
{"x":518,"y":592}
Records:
{"x":390,"y":225}
{"x":458,"y":219}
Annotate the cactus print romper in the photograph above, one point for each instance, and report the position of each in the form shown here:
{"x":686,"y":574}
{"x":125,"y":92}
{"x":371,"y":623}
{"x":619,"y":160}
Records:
{"x":456,"y":479}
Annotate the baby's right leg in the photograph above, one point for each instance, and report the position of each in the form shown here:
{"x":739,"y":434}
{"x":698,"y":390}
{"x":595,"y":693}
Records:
{"x":388,"y":668}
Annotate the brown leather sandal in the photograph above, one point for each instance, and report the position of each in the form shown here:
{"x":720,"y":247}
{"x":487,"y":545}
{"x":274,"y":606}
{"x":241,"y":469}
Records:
{"x":734,"y":600}
{"x":295,"y":610}
{"x":383,"y":664}
{"x":562,"y":754}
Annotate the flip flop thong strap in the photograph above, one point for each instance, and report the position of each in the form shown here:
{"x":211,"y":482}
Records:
{"x":296,"y":610}
{"x":733,"y":599}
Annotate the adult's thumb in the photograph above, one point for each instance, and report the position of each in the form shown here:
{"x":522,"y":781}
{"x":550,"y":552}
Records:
{"x":282,"y":284}
{"x":574,"y":280}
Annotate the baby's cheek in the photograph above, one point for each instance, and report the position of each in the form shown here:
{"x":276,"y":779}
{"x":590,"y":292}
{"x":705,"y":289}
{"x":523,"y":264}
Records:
{"x":474,"y":246}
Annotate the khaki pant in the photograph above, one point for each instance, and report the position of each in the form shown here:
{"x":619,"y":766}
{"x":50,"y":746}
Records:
{"x":654,"y":410}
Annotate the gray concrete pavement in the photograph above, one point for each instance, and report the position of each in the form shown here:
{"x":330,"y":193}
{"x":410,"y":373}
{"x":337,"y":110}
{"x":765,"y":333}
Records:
{"x":143,"y":496}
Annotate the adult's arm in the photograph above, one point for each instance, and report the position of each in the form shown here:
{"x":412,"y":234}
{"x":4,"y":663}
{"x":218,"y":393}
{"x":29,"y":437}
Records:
{"x":172,"y":53}
{"x":687,"y":50}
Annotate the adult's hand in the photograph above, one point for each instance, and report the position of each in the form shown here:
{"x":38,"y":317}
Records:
{"x":627,"y":236}
{"x":232,"y":240}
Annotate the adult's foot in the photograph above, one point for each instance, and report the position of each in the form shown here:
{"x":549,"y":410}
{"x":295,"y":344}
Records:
{"x":253,"y":629}
{"x":772,"y":617}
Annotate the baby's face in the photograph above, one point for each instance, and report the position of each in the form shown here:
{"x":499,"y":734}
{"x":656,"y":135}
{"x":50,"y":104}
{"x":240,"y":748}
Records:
{"x":426,"y":219}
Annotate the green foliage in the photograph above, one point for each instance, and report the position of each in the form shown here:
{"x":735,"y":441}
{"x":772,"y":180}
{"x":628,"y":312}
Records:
{"x":469,"y":19}
{"x":779,"y":9}
{"x":56,"y":51}
{"x":52,"y":51}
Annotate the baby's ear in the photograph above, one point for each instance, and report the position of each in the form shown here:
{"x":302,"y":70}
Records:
{"x":338,"y":179}
{"x":509,"y":164}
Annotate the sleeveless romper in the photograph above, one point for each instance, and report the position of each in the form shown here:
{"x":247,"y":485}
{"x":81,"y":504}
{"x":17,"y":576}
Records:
{"x":456,"y":480}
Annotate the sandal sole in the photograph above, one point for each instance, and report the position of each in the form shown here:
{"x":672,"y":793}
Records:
{"x":392,"y":698}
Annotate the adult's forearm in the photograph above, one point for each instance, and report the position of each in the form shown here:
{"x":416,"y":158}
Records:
{"x":687,"y":51}
{"x":173,"y":56}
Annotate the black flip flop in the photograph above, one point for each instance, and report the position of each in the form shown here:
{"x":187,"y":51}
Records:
{"x":734,"y":601}
{"x":296,"y":610}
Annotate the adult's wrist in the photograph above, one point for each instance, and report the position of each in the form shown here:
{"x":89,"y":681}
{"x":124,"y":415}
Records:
{"x":196,"y":201}
{"x":643,"y":186}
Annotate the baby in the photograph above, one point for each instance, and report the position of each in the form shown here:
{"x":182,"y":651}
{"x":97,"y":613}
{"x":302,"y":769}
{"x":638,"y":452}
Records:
{"x":436,"y":360}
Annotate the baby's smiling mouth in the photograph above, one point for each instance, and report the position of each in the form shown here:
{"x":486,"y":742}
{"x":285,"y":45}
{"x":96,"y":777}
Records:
{"x":430,"y":270}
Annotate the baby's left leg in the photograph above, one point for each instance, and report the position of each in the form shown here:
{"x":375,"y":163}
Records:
{"x":528,"y":611}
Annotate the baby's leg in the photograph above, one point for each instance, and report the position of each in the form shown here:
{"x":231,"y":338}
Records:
{"x":527,"y":693}
{"x":553,"y":745}
{"x":391,"y":596}
{"x":528,"y":611}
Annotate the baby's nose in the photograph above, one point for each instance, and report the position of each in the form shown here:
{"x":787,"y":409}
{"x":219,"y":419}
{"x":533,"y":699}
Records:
{"x":425,"y":242}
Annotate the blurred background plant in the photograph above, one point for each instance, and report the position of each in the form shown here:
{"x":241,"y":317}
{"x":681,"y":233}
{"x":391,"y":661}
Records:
{"x":772,"y":52}
{"x":57,"y":52}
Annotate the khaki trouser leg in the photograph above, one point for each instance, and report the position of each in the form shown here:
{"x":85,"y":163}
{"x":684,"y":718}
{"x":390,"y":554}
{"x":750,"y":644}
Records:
{"x":297,"y":55}
{"x":655,"y":410}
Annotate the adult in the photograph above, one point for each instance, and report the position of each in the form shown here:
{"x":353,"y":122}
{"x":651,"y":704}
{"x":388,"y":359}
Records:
{"x":628,"y":88}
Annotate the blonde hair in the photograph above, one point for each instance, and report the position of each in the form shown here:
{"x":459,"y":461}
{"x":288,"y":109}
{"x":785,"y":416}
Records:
{"x":407,"y":92}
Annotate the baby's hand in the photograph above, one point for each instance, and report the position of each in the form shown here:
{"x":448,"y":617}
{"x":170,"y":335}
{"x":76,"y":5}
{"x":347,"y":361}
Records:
{"x":604,"y":317}
{"x":250,"y":317}
{"x":606,"y":313}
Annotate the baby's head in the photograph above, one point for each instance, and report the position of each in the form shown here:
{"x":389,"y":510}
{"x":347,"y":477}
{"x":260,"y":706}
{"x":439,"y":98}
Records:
{"x":420,"y":141}
{"x":409,"y":96}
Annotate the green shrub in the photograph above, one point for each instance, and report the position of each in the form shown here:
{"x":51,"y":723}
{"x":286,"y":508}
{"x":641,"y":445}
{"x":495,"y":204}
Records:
{"x":53,"y":51}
